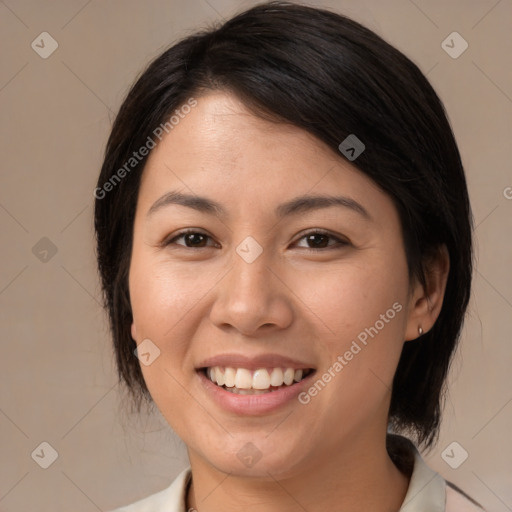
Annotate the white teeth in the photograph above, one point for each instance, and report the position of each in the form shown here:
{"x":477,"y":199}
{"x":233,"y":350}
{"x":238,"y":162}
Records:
{"x":243,"y":381}
{"x":276,"y":378}
{"x":260,"y":379}
{"x":229,"y":377}
{"x":289,"y":373}
{"x":219,"y":376}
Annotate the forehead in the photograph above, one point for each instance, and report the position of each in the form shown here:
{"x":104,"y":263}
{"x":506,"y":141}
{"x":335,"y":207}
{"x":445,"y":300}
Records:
{"x":222,"y":134}
{"x":222,"y":150}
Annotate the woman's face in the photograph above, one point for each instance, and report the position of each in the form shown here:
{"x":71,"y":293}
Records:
{"x":268,"y":284}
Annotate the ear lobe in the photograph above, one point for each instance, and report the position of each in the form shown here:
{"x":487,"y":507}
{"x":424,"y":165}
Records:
{"x":134,"y":331}
{"x":426,"y":303}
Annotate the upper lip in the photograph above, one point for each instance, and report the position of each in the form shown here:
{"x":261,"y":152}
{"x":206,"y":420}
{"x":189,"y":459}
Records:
{"x":254,"y":362}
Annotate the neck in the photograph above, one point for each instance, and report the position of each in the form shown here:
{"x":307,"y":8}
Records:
{"x":358,"y":477}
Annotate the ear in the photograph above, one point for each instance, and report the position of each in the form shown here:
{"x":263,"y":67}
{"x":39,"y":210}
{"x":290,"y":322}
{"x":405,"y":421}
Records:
{"x":134,"y":331}
{"x":425,"y":303}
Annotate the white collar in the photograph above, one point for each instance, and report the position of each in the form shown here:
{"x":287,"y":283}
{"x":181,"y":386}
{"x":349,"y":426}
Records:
{"x":427,"y":492}
{"x":427,"y":489}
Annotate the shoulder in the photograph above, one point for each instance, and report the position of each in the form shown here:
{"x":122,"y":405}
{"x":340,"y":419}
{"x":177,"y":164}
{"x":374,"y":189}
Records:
{"x":171,"y":499}
{"x":458,"y":501}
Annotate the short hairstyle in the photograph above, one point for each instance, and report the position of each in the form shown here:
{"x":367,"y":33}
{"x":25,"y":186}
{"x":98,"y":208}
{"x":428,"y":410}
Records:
{"x":332,"y":77}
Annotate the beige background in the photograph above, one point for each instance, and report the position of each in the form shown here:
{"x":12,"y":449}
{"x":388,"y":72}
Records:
{"x":58,"y":383}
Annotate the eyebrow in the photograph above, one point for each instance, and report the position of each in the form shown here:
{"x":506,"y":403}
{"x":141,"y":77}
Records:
{"x":295,"y":206}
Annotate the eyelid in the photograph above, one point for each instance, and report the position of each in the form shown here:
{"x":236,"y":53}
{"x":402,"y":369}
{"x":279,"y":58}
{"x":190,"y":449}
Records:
{"x":340,"y":242}
{"x":170,"y":239}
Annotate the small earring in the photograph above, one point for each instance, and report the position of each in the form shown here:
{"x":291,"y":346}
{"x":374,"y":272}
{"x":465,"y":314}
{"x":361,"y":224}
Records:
{"x":420,"y":330}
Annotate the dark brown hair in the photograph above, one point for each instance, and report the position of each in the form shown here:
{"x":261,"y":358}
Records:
{"x":332,"y":77}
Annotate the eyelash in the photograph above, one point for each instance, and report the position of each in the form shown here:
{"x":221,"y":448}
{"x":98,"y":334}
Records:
{"x":339,"y":241}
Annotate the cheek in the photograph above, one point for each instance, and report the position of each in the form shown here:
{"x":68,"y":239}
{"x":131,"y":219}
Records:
{"x":162,"y":299}
{"x":350,"y":298}
{"x":361,"y":309}
{"x":160,"y":295}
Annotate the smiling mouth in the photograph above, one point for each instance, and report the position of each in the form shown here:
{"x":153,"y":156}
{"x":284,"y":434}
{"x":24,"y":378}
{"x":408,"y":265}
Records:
{"x":254,"y":382}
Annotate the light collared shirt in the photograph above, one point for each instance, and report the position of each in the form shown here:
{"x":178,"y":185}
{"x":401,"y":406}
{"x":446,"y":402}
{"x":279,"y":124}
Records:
{"x":427,"y":492}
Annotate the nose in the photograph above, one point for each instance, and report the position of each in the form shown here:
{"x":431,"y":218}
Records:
{"x":252,"y":298}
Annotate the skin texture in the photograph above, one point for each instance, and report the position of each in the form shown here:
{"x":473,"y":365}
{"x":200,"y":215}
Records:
{"x":296,"y":300}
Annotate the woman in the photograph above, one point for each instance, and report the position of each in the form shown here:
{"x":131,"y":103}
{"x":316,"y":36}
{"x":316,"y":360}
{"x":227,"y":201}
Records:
{"x":284,"y":241}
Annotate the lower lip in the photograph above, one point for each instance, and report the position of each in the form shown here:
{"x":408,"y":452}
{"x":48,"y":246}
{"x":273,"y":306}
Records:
{"x":253,"y":405}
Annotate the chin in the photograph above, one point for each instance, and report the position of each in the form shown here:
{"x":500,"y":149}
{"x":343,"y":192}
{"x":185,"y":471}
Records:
{"x":256,"y":457}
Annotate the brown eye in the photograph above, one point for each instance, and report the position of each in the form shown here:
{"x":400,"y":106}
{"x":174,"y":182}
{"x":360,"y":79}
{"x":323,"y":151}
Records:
{"x":193,"y":239}
{"x":320,"y":240}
